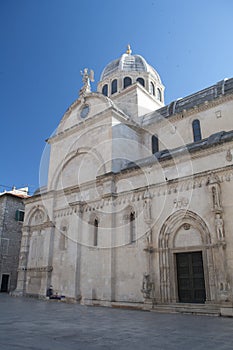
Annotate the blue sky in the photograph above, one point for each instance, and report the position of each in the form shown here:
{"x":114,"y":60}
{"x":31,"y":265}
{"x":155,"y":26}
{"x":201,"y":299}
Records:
{"x":45,"y":43}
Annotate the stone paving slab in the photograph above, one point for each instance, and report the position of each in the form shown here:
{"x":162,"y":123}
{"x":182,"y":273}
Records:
{"x":44,"y":325}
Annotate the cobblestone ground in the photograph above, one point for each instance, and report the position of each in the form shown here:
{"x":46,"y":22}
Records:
{"x":45,"y":325}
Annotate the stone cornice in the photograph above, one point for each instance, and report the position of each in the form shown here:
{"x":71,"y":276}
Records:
{"x":99,"y":117}
{"x":211,"y":150}
{"x":186,"y":112}
{"x":175,"y":186}
{"x":66,"y":211}
{"x":204,"y":106}
{"x":80,"y":124}
{"x":40,"y":197}
{"x":196,"y":153}
{"x":38,"y":227}
{"x":185,"y":183}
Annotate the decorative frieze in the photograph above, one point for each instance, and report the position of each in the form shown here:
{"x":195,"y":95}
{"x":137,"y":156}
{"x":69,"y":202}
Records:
{"x":177,"y":186}
{"x":181,"y":202}
{"x":40,"y":269}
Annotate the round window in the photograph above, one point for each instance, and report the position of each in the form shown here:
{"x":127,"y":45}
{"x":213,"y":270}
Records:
{"x":84,"y":111}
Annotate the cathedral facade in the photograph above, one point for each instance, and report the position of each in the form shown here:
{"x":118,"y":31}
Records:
{"x":138,"y":206}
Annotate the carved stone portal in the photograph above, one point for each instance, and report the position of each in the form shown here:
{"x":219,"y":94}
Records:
{"x":167,"y":245}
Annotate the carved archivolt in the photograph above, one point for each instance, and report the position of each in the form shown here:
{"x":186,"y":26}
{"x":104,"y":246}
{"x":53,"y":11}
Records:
{"x":37,"y":216}
{"x":178,"y":219}
{"x":166,"y":243}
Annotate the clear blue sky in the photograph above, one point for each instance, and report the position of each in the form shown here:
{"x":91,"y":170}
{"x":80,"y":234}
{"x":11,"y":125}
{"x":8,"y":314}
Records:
{"x":45,"y":43}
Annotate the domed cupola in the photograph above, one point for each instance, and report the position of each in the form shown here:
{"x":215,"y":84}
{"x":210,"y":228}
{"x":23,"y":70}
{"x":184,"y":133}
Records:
{"x":129,"y":70}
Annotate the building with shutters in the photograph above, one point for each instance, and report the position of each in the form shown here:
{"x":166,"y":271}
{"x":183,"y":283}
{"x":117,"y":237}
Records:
{"x":138,"y":206}
{"x":11,"y":221}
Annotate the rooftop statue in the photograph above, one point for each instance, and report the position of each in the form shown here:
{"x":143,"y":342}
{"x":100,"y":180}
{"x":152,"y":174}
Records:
{"x":86,"y":78}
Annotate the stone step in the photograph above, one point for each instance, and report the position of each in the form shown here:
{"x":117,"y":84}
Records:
{"x":197,"y":309}
{"x":125,"y":305}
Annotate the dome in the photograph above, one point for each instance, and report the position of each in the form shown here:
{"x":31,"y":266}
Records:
{"x":131,"y":70}
{"x":129,"y":63}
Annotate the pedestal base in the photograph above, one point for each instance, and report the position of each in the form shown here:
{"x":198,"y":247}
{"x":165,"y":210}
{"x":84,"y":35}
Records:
{"x":148,"y":304}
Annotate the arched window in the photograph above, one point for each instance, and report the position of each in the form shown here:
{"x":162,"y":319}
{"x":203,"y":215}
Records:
{"x":95,"y":240}
{"x":105,"y":90}
{"x":127,"y":82}
{"x":141,"y":81}
{"x":132,"y":233}
{"x":159,"y":95}
{"x":114,"y":86}
{"x":154,"y":144}
{"x":151,"y":88}
{"x":196,"y":130}
{"x":63,"y":238}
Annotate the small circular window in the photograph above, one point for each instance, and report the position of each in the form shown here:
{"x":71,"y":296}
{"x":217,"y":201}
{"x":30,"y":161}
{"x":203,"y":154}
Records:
{"x":84,"y":111}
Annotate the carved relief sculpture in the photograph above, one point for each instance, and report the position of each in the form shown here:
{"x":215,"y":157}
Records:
{"x":146,"y":286}
{"x":216,"y":197}
{"x":219,"y":227}
{"x":214,"y":185}
{"x":147,"y":207}
{"x":147,"y":210}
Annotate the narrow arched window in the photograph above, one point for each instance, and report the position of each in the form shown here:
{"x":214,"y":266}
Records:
{"x":159,"y":94}
{"x":196,"y":130}
{"x":127,"y":82}
{"x":141,"y":81}
{"x":114,"y":86}
{"x":96,"y":226}
{"x":151,"y":88}
{"x":105,"y":90}
{"x":154,"y":144}
{"x":132,"y":237}
{"x":63,"y":238}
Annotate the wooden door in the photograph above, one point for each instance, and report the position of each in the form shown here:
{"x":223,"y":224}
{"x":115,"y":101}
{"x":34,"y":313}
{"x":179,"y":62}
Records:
{"x":190,"y":277}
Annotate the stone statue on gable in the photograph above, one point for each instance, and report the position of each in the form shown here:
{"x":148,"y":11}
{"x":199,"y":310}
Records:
{"x":86,"y":79}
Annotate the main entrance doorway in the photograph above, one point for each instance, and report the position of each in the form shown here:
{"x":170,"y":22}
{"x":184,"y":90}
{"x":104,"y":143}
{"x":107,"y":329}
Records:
{"x":4,"y":283}
{"x":190,"y":277}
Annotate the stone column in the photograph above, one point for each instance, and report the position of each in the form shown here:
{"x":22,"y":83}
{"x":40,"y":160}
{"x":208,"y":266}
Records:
{"x":148,"y":280}
{"x":79,"y":213}
{"x":219,"y":252}
{"x":23,"y":260}
{"x":50,"y":256}
{"x":113,"y":247}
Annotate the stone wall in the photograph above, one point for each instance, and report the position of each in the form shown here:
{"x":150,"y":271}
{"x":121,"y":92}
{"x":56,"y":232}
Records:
{"x":10,"y":238}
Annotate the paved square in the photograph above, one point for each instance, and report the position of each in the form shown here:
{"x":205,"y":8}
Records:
{"x":45,"y":325}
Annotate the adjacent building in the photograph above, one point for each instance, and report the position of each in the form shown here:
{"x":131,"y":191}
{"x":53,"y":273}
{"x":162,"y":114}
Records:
{"x":11,"y":222}
{"x":138,"y":206}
